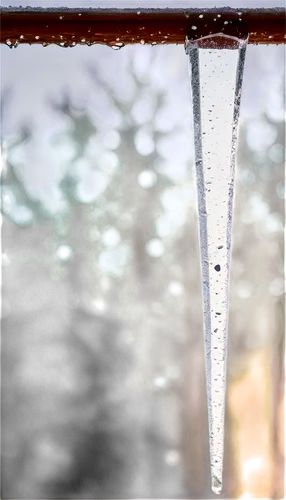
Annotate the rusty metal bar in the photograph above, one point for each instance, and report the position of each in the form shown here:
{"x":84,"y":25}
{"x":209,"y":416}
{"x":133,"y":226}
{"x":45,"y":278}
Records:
{"x":68,"y":27}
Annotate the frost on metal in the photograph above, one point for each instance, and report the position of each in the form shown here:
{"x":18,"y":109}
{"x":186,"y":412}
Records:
{"x":216,"y":69}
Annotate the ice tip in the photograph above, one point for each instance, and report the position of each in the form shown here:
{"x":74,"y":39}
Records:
{"x":216,"y":485}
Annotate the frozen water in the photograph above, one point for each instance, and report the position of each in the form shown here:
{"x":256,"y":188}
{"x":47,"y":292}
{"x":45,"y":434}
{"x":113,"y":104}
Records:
{"x":216,"y":79}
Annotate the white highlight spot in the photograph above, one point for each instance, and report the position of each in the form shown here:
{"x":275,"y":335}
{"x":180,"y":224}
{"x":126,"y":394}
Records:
{"x":64,"y":252}
{"x":111,"y":237}
{"x":155,"y":248}
{"x":160,"y":382}
{"x":244,"y":289}
{"x":147,"y":179}
{"x":175,"y":288}
{"x":91,"y":185}
{"x":21,"y":215}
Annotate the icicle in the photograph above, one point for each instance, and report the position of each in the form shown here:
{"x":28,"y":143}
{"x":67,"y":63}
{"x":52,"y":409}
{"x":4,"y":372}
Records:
{"x":216,"y":70}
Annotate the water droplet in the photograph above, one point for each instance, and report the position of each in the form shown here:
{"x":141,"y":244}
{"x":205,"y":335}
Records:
{"x":142,"y":42}
{"x":64,"y":252}
{"x":225,"y":22}
{"x":117,"y":46}
{"x":8,"y":42}
{"x":194,"y":27}
{"x":201,"y":16}
{"x":37,"y":37}
{"x":14,"y":44}
{"x":155,"y":248}
{"x":147,"y":179}
{"x":22,"y":36}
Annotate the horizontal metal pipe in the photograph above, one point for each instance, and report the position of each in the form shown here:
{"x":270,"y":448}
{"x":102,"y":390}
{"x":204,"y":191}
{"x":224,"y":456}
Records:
{"x":68,"y":27}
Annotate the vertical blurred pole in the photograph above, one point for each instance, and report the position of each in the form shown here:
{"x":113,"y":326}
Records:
{"x":194,"y":407}
{"x":250,"y":432}
{"x":253,"y":435}
{"x":276,"y":272}
{"x":256,"y":399}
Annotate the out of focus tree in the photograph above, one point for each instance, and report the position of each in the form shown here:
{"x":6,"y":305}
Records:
{"x":103,"y":373}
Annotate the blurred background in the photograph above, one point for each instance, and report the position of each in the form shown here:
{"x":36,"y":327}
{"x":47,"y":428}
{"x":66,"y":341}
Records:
{"x":103,"y":384}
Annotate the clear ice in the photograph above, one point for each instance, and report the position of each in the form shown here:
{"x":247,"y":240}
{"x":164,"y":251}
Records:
{"x":216,"y":80}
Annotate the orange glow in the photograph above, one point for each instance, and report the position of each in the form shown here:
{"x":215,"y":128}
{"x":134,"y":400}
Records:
{"x":250,"y":407}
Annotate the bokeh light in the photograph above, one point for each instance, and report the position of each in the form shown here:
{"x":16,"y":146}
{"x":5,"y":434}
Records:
{"x":175,"y":288}
{"x":152,"y":178}
{"x":22,"y":216}
{"x":65,"y":252}
{"x":155,"y":248}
